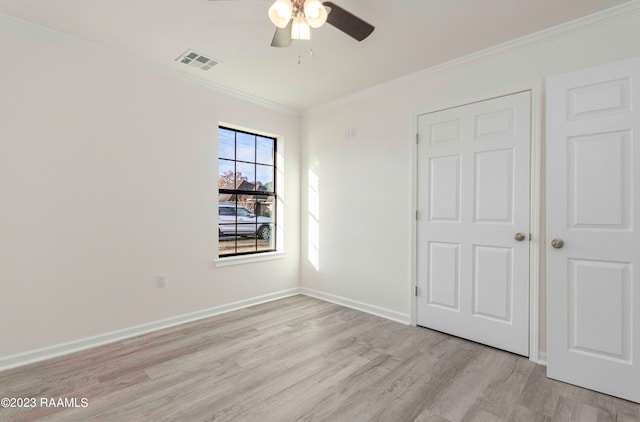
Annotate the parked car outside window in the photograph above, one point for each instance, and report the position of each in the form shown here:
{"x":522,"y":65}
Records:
{"x":238,"y":221}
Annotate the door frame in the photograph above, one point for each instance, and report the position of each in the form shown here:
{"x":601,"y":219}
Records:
{"x":536,"y":212}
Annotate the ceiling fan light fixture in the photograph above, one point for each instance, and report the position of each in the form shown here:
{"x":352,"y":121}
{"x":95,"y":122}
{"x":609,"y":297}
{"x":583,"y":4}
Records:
{"x":280,"y":13}
{"x":315,"y":12}
{"x":300,"y":29}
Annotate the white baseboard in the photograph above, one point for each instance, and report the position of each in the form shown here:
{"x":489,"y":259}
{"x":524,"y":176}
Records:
{"x":32,"y":356}
{"x":359,"y":306}
{"x":25,"y":358}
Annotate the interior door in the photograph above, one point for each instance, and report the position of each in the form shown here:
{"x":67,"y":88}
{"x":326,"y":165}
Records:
{"x":593,"y":188}
{"x":473,"y":221}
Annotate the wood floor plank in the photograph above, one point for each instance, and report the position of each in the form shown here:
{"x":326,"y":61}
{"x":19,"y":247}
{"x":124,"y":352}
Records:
{"x":503,"y":391}
{"x":302,"y":359}
{"x":541,"y":393}
{"x":461,"y":395}
{"x":522,"y":414}
{"x":569,"y":410}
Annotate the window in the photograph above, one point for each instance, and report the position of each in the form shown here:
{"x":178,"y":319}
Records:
{"x":246,"y":193}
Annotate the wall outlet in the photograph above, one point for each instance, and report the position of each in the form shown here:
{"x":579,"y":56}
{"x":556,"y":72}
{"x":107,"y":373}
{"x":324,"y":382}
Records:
{"x":161,"y":280}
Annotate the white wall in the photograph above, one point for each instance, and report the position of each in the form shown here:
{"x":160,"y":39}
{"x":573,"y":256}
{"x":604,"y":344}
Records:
{"x":107,"y":178}
{"x":365,"y":183}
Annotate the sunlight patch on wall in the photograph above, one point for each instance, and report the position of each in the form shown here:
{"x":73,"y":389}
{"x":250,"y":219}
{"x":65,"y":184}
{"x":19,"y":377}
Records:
{"x":314,"y":221}
{"x":280,"y":188}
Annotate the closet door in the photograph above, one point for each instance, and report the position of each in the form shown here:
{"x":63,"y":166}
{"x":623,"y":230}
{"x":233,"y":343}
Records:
{"x":593,"y":241}
{"x":473,"y":225}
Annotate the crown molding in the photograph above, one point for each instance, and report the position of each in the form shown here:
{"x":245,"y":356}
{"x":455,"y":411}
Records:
{"x":23,"y":27}
{"x":604,"y":17}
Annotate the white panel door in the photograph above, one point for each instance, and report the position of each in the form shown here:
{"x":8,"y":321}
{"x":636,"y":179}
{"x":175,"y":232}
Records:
{"x":473,"y":198}
{"x":593,"y":187}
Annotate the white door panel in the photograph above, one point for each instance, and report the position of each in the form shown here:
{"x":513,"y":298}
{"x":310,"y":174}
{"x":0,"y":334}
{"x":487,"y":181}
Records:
{"x":493,"y":190}
{"x":592,"y":204}
{"x":443,"y":280}
{"x":492,"y":282}
{"x":444,"y":203}
{"x":473,"y":194}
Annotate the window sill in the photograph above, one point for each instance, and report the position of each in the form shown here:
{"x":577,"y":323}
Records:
{"x":248,"y":259}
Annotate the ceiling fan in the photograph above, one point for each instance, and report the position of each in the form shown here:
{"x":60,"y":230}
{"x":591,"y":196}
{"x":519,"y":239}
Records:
{"x":295,"y":18}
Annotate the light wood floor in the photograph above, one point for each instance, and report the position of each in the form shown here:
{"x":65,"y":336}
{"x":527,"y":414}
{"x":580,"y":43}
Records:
{"x":301,"y":359}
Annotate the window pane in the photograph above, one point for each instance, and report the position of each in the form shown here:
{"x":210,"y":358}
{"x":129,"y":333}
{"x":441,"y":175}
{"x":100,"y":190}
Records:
{"x":264,"y":178}
{"x":226,"y":144}
{"x":226,"y":225}
{"x":226,"y":246}
{"x":268,"y":244}
{"x":245,"y":147}
{"x":226,"y":178}
{"x":264,"y":209}
{"x":243,"y":212}
{"x":246,"y":245}
{"x":246,"y":229}
{"x":264,"y":150}
{"x":260,"y":205}
{"x":245,"y":176}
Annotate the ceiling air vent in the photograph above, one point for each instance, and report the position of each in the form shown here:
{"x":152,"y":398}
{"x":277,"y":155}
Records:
{"x":197,"y":60}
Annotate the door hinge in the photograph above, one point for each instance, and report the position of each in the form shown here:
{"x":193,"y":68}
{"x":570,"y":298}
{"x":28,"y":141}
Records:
{"x":416,"y":290}
{"x":417,"y":138}
{"x":417,"y":215}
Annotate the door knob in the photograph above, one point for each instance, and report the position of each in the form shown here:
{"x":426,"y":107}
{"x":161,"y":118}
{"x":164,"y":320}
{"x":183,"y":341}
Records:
{"x":557,"y":243}
{"x":519,"y":237}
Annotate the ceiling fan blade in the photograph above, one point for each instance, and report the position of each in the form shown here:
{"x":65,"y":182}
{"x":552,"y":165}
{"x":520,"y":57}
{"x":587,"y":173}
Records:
{"x":347,"y":22}
{"x":282,"y":37}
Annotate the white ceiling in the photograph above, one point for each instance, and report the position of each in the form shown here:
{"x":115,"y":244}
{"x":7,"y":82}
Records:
{"x":410,"y":35}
